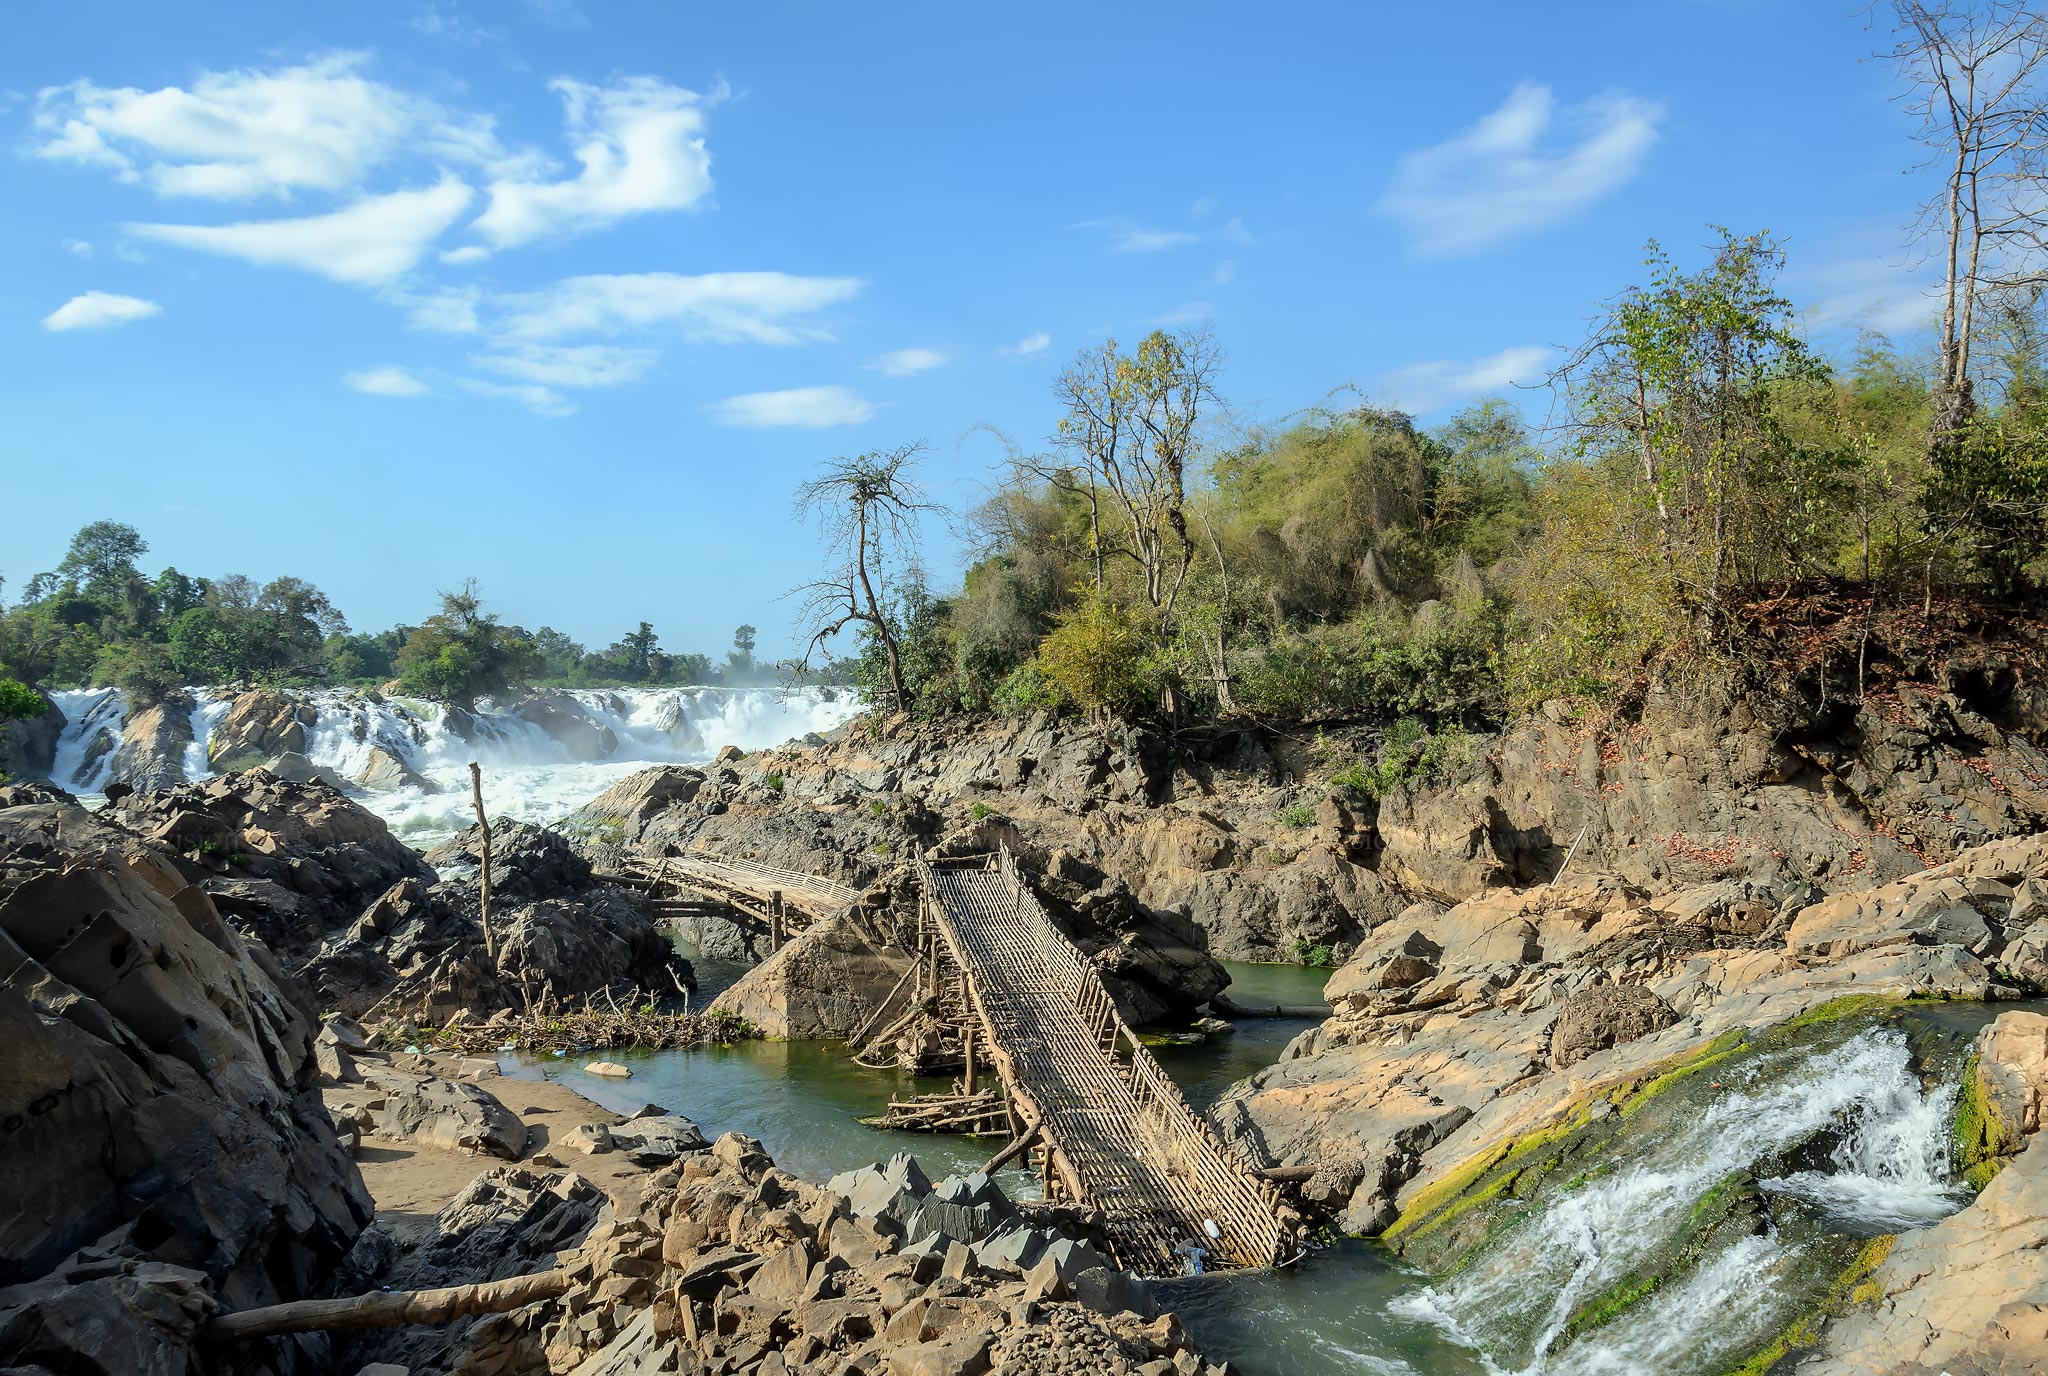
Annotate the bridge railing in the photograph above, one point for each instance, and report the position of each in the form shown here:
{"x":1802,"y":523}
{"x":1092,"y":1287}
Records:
{"x":1225,"y":1182}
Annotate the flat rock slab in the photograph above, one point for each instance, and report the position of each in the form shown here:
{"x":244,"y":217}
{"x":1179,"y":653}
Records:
{"x":452,"y":1114}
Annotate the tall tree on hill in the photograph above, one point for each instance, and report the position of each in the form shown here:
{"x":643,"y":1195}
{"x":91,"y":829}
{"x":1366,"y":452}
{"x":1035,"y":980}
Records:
{"x":1977,"y":80}
{"x":866,"y":509}
{"x":462,"y":653}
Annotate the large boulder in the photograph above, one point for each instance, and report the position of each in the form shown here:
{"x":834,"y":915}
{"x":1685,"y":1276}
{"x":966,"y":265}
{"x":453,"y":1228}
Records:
{"x":453,"y":1115}
{"x":159,"y":1105}
{"x":153,"y":743}
{"x":286,"y":861}
{"x":29,"y":748}
{"x":580,"y":731}
{"x":258,"y":726}
{"x":1605,"y":1015}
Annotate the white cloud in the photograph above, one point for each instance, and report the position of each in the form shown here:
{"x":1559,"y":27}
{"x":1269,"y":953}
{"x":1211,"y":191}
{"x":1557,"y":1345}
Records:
{"x":719,"y":307}
{"x":386,"y":382}
{"x":1512,"y":173}
{"x":467,"y":254}
{"x":585,"y":365}
{"x":448,"y":310}
{"x":1152,"y":240}
{"x":1030,"y":344}
{"x":97,"y":309}
{"x":1423,"y":387}
{"x":1225,"y":274}
{"x":1186,"y":313}
{"x":376,"y":239}
{"x":641,"y":144}
{"x":812,"y":408}
{"x":1875,"y":292}
{"x":236,"y":135}
{"x":78,"y":247}
{"x":545,"y":401}
{"x":908,"y":362}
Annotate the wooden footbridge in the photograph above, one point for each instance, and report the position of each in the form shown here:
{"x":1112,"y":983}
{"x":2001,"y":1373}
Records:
{"x":993,"y":983}
{"x":783,"y":901}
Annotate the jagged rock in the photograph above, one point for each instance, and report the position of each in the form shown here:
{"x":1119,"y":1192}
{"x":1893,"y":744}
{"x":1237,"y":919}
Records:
{"x":1966,"y":1295}
{"x":1602,"y":1016}
{"x":153,"y":742}
{"x":28,"y":749}
{"x":568,"y":721}
{"x":259,"y":725}
{"x":657,"y":1141}
{"x":158,"y":1102}
{"x":286,"y":862}
{"x":453,"y":1115}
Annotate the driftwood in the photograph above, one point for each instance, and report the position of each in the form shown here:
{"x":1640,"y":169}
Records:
{"x":388,"y":1308}
{"x":483,"y":887}
{"x":976,"y":1114}
{"x":1017,"y":1147}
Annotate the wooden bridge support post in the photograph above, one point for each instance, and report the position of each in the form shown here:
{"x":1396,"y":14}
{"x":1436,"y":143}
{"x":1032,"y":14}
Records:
{"x":775,"y":922}
{"x":967,"y":1054}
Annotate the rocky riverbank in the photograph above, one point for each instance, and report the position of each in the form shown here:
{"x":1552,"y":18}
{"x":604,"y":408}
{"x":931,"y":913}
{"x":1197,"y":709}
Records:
{"x":161,"y":1045}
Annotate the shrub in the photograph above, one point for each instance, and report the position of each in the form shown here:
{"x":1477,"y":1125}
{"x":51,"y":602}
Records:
{"x":773,"y":780}
{"x":1296,"y":815}
{"x":1095,"y":659}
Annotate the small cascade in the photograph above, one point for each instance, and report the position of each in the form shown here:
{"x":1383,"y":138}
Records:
{"x":92,"y":734}
{"x":1888,"y":1170}
{"x":208,"y":708}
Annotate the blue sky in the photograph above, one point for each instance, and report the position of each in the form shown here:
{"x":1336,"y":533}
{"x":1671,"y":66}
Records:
{"x":568,"y":296}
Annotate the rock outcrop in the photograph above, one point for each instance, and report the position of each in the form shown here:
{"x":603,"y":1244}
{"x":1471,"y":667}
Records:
{"x":285,"y":861}
{"x":153,"y":743}
{"x":257,"y":727}
{"x":163,"y":1146}
{"x":1463,"y":1027}
{"x":28,"y":749}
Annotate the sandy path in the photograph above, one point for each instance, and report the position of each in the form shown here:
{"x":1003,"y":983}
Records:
{"x":411,"y":1183}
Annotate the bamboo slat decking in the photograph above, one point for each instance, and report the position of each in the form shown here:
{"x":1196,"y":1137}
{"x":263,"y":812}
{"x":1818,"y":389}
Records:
{"x":753,"y":887}
{"x":1120,"y":1135}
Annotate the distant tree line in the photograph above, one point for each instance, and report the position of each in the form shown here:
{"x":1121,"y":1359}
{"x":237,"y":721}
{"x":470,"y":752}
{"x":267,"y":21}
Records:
{"x":97,"y":619}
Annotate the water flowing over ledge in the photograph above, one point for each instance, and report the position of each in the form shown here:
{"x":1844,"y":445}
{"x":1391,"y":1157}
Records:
{"x":543,"y":757}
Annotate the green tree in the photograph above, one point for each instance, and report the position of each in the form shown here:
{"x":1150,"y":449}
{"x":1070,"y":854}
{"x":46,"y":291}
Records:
{"x":1095,"y":658}
{"x":18,"y":702}
{"x":461,"y":653}
{"x":101,"y":559}
{"x":739,"y":661}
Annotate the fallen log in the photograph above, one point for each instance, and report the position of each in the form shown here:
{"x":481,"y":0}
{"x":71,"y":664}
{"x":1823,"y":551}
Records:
{"x":389,"y":1308}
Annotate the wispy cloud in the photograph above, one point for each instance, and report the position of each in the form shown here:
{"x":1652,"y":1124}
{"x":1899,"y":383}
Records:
{"x":641,"y":144}
{"x":578,"y":366}
{"x":389,"y":381}
{"x":78,"y":248}
{"x":1863,"y":290}
{"x":1035,"y":343}
{"x":236,"y":135}
{"x":1525,"y":166}
{"x":1421,"y":388}
{"x":810,"y":408}
{"x":908,"y":362}
{"x":98,"y":309}
{"x":1186,"y":313}
{"x":377,"y":239}
{"x":716,"y":307}
{"x":544,"y":401}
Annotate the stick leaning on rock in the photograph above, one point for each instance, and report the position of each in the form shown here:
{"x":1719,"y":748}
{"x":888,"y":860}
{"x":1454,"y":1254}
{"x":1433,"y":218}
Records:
{"x":476,"y":794}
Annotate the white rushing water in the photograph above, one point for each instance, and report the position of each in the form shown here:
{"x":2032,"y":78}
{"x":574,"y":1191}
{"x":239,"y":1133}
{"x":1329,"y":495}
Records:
{"x":602,"y":735}
{"x":1890,"y":1170}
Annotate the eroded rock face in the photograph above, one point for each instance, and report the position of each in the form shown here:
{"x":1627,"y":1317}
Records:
{"x":1968,"y":1294}
{"x":153,"y":743}
{"x":158,"y":1108}
{"x":585,"y":736}
{"x":258,"y":726}
{"x":28,"y":749}
{"x":1458,"y":1028}
{"x":284,"y":861}
{"x":1603,"y":1016}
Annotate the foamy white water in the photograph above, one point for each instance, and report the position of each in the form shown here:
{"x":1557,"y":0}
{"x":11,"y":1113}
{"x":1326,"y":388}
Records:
{"x":1891,"y":1170}
{"x":528,"y":773}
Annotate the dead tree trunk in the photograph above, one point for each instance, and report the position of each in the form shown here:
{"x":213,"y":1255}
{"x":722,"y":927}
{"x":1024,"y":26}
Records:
{"x":483,"y":889}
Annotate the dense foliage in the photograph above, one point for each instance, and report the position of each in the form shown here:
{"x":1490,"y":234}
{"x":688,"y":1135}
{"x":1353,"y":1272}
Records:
{"x":1350,"y":562}
{"x":97,"y":619}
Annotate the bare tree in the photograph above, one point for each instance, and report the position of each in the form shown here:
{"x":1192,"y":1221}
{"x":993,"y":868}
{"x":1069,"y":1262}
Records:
{"x":1978,"y":82}
{"x":866,"y":509}
{"x":1131,"y":425}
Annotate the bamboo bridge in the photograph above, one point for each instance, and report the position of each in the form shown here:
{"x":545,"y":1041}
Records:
{"x":784,"y":902}
{"x":994,"y":983}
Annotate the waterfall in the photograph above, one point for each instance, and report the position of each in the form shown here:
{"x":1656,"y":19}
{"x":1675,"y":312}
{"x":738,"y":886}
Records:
{"x":418,"y":753}
{"x":1889,"y":1169}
